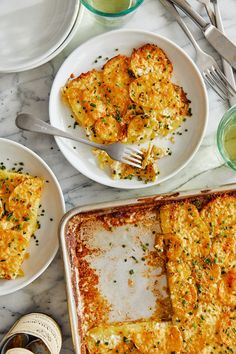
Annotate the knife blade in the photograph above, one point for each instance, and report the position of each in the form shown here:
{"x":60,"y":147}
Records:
{"x":227,"y":68}
{"x":222,"y":44}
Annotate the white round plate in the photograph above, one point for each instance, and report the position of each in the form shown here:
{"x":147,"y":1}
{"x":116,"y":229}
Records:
{"x":185,"y":74}
{"x":42,"y":255}
{"x":32,"y":30}
{"x":63,"y":45}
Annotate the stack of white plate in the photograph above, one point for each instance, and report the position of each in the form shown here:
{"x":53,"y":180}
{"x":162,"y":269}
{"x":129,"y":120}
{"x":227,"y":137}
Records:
{"x":32,"y":32}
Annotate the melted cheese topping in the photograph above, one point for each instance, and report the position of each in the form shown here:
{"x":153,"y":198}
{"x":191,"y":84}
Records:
{"x":201,"y":261}
{"x":141,"y":337}
{"x":20,"y":196}
{"x":148,"y":59}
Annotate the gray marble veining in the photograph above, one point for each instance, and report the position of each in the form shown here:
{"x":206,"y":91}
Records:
{"x":29,"y":91}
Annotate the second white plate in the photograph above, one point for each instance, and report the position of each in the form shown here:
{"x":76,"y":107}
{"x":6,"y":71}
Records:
{"x":31,"y":30}
{"x":41,"y":253}
{"x":93,"y":54}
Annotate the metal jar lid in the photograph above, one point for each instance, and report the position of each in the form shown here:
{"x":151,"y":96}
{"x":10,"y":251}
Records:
{"x":19,"y":351}
{"x":37,"y":325}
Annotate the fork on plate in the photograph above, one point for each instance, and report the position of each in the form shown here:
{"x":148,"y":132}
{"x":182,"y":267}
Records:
{"x":206,"y":63}
{"x":120,"y":152}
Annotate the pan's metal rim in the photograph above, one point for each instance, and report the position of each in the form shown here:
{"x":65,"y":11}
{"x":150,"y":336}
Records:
{"x":69,"y":290}
{"x":103,"y":206}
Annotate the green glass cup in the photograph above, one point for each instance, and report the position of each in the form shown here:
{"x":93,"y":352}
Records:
{"x":226,"y":138}
{"x":112,"y":13}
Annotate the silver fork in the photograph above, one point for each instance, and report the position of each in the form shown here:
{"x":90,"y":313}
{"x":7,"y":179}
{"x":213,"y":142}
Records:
{"x":228,"y":70}
{"x":206,"y":63}
{"x":119,"y":152}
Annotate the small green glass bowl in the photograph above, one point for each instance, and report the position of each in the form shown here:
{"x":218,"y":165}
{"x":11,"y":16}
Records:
{"x":111,"y":19}
{"x":228,"y":120}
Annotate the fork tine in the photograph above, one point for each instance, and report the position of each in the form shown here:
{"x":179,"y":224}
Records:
{"x":131,"y":163}
{"x":138,"y":157}
{"x":215,"y":85}
{"x":230,"y":88}
{"x":132,"y":149}
{"x":216,"y":81}
{"x":220,"y":82}
{"x":131,"y":158}
{"x":221,"y":94}
{"x":210,"y":83}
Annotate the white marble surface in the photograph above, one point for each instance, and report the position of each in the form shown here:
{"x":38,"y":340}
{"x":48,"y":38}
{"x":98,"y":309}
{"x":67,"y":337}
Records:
{"x":29,"y":91}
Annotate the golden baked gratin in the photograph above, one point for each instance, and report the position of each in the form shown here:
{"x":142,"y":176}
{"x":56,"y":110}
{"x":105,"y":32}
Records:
{"x":197,"y":246}
{"x":200,"y":251}
{"x":131,"y":100}
{"x":19,"y":202}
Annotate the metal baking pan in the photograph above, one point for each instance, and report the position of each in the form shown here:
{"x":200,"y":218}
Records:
{"x":132,"y":285}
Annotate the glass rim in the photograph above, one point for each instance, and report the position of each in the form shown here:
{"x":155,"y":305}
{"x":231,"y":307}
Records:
{"x":220,"y":130}
{"x":109,"y":14}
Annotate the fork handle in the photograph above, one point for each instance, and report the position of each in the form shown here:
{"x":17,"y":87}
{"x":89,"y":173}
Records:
{"x":189,"y":10}
{"x":171,"y":7}
{"x":31,"y":124}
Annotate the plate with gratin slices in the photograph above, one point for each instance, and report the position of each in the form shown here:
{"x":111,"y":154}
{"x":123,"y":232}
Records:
{"x":29,"y":192}
{"x":151,"y":61}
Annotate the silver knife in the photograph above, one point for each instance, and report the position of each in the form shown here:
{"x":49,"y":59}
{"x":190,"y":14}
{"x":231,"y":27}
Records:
{"x":222,"y":44}
{"x":227,"y":68}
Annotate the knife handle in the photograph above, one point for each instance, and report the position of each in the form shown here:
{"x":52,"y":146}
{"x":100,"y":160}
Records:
{"x":188,"y":9}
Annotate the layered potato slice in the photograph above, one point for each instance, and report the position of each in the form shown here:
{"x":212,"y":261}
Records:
{"x":107,"y":129}
{"x":119,"y":98}
{"x":74,"y":98}
{"x":116,"y":72}
{"x":20,"y":197}
{"x":85,"y":97}
{"x":151,"y":91}
{"x":109,"y":339}
{"x":226,"y":330}
{"x":84,"y":81}
{"x":157,"y":337}
{"x":167,"y":120}
{"x":22,"y":207}
{"x":96,"y":104}
{"x":183,"y":290}
{"x":206,"y":274}
{"x":9,"y":181}
{"x":223,"y":248}
{"x":13,"y":246}
{"x":199,"y":328}
{"x":192,"y":235}
{"x":216,"y":348}
{"x":150,"y":59}
{"x":227,"y":288}
{"x":140,"y":129}
{"x":146,"y":337}
{"x":116,"y":79}
{"x":220,"y":214}
{"x":220,"y":217}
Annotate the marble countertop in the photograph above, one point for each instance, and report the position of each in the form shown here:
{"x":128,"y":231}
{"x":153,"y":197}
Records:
{"x":29,"y":91}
